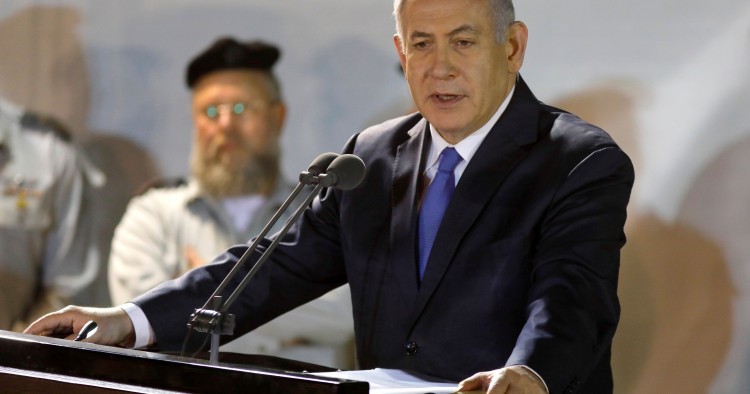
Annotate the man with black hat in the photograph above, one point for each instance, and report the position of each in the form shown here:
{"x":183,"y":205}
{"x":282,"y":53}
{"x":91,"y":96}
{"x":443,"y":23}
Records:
{"x":234,"y":190}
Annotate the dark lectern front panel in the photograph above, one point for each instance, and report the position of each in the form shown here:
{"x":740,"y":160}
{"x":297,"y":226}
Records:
{"x":40,"y":364}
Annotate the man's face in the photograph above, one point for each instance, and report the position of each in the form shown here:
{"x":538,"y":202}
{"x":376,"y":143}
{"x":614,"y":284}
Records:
{"x":458,"y":73}
{"x":238,"y":122}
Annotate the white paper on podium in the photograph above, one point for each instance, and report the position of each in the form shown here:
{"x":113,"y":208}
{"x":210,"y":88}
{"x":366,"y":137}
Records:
{"x":395,"y":381}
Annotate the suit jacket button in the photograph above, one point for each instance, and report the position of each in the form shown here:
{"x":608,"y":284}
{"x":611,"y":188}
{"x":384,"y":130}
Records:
{"x":411,"y":348}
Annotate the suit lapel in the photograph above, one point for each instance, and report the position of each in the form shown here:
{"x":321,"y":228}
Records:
{"x":406,"y":170}
{"x":499,"y":153}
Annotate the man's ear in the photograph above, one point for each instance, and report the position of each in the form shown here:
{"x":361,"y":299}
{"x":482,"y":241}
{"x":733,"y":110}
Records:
{"x":279,"y":116}
{"x":399,"y":48}
{"x":515,"y":45}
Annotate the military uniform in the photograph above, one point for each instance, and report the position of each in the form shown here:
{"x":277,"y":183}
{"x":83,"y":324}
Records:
{"x":149,"y":247}
{"x":46,"y":234}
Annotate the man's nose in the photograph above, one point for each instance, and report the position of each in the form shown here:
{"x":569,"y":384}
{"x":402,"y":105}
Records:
{"x":442,"y":63}
{"x":225,"y":117}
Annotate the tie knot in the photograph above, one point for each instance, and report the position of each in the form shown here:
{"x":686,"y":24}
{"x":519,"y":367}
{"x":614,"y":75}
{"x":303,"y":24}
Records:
{"x":449,"y":158}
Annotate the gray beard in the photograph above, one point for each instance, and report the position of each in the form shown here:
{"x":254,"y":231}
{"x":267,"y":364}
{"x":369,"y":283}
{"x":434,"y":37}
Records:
{"x":257,"y":175}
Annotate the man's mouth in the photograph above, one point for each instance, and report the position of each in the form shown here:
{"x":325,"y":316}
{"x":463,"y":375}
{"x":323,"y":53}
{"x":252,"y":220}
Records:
{"x":446,"y":98}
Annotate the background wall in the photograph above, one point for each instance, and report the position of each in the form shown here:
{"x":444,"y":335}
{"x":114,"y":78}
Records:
{"x":669,"y":79}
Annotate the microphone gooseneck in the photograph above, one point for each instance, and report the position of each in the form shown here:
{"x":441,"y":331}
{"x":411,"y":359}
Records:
{"x":316,"y":167}
{"x":343,"y":172}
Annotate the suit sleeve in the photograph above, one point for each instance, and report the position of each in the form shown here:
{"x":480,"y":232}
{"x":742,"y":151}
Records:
{"x":573,"y":307}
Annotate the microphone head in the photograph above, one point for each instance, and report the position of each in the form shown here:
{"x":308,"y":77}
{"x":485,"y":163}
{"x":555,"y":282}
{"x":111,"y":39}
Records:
{"x":321,"y":163}
{"x":346,"y":171}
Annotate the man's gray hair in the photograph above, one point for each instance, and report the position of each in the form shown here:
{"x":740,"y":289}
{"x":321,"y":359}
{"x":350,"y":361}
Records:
{"x":502,"y":13}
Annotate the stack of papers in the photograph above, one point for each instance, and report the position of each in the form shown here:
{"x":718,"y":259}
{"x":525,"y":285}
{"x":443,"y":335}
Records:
{"x":395,"y":381}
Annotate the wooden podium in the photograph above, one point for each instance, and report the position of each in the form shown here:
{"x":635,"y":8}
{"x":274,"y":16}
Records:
{"x":33,"y":364}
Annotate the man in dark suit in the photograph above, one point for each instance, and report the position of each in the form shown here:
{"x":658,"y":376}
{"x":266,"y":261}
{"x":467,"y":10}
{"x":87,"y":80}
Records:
{"x":514,"y":281}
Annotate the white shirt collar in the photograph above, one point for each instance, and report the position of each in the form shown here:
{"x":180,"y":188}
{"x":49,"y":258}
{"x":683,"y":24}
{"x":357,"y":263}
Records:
{"x":466,"y":147}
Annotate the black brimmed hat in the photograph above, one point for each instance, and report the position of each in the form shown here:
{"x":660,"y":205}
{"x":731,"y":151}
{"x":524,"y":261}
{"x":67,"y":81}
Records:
{"x":227,"y":54}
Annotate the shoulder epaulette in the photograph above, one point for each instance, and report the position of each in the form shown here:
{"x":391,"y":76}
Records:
{"x":161,"y":183}
{"x":47,"y":124}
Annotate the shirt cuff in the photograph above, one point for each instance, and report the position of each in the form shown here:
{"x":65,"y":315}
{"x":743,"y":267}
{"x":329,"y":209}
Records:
{"x":546,"y":389}
{"x":143,"y":330}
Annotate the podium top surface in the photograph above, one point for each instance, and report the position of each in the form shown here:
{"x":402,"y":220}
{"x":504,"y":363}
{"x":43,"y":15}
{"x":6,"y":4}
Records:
{"x":234,"y":372}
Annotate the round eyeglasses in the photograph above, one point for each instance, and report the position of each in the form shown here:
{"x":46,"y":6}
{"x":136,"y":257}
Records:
{"x":238,"y":109}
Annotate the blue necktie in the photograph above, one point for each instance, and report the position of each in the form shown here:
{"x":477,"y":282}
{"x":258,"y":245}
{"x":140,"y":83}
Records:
{"x":435,"y":201}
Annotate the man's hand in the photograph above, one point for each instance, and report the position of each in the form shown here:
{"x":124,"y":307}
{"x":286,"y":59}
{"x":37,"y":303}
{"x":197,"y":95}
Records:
{"x":508,"y":380}
{"x":114,"y":327}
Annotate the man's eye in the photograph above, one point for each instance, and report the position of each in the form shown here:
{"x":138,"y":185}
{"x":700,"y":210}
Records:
{"x":239,"y":108}
{"x":464,"y":43}
{"x":420,"y":45}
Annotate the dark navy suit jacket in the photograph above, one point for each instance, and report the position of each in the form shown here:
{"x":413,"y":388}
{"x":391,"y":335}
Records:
{"x":523,"y":270}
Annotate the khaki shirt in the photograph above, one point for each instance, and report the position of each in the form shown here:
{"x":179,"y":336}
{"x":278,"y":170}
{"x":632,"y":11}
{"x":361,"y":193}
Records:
{"x":47,"y":258}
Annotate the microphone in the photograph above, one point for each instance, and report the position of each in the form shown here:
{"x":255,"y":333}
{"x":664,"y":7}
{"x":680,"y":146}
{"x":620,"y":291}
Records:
{"x":343,"y":172}
{"x":317,"y":167}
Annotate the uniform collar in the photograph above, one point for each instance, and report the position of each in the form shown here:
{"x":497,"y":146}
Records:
{"x":195,"y":192}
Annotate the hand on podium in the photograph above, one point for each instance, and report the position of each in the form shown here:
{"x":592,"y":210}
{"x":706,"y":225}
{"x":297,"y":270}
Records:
{"x":515,"y":378}
{"x":114,"y":327}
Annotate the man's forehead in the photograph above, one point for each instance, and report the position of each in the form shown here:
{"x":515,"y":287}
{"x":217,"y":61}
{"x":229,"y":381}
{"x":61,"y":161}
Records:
{"x":237,"y":80}
{"x":232,"y":76}
{"x":444,"y":17}
{"x":462,"y":29}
